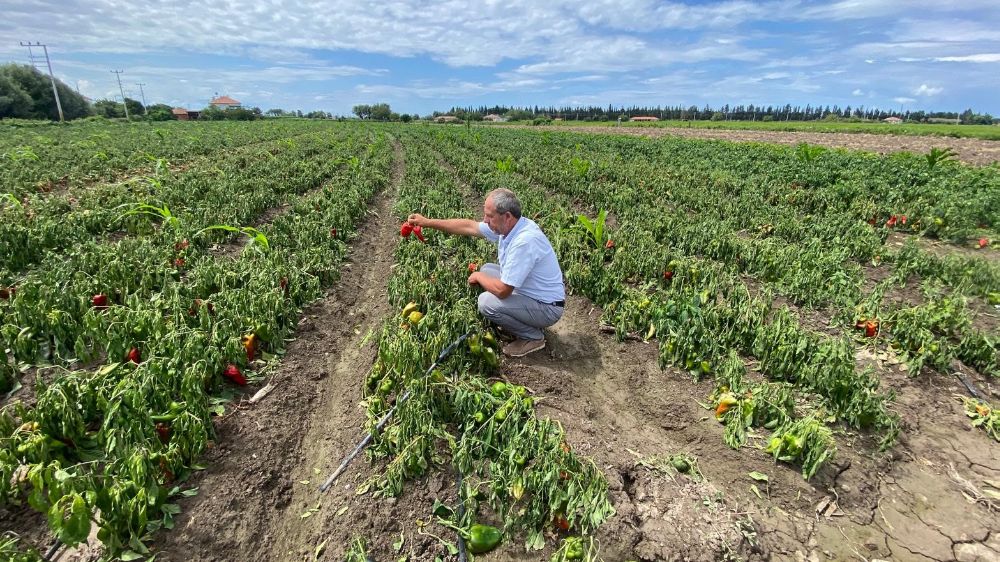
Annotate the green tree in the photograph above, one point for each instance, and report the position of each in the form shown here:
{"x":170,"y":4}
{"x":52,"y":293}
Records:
{"x":38,"y":87}
{"x":362,"y":110}
{"x":161,"y":112}
{"x":381,"y":112}
{"x":109,"y":108}
{"x":135,"y":108}
{"x":14,"y":101}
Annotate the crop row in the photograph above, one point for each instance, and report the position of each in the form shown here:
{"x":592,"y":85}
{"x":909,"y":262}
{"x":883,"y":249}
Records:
{"x":42,"y":159}
{"x":108,"y":444}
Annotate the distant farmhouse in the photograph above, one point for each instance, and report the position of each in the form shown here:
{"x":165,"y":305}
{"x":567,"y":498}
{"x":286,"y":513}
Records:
{"x":182,"y":114}
{"x":224,"y":102}
{"x":893,"y":120}
{"x":645,"y":118}
{"x":494,"y":118}
{"x":447,"y":119}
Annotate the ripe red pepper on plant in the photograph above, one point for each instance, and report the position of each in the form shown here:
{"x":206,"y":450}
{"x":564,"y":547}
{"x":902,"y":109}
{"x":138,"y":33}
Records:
{"x":668,"y":275}
{"x":983,"y":242}
{"x":610,"y":244}
{"x":233,"y":373}
{"x":473,"y":267}
{"x":133,"y":356}
{"x":100,"y":301}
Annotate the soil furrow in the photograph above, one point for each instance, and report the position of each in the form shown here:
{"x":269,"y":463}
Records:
{"x":254,"y":493}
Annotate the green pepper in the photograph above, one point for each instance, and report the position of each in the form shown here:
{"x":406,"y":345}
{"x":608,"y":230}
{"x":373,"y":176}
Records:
{"x":574,"y":548}
{"x":483,"y":538}
{"x":499,"y":389}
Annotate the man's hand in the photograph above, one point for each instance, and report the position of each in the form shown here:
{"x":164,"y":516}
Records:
{"x":416,"y":219}
{"x":491,"y":285}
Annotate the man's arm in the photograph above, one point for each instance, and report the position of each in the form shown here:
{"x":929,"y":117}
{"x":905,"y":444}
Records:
{"x":461,"y":227}
{"x":491,"y":284}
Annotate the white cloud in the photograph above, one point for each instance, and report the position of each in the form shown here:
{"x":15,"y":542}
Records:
{"x":983,"y":57}
{"x":925,"y":90}
{"x":903,"y":100}
{"x":858,"y":92}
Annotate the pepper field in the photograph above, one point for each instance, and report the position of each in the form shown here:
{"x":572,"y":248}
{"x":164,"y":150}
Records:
{"x":769,"y":352}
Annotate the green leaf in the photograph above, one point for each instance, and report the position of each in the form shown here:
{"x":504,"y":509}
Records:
{"x":758,"y":476}
{"x":753,"y":488}
{"x":130,"y":555}
{"x":398,"y":545}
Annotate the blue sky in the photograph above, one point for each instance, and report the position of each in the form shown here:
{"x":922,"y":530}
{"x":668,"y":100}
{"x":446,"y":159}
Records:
{"x":420,"y":56}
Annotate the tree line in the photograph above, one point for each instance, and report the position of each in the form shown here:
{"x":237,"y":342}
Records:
{"x":726,"y":112}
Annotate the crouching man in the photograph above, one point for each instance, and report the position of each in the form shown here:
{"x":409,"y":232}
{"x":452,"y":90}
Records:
{"x":522,"y":293}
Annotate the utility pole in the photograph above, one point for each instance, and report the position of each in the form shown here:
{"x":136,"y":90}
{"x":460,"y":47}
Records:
{"x":35,"y":60}
{"x":118,"y":74}
{"x":145,"y":110}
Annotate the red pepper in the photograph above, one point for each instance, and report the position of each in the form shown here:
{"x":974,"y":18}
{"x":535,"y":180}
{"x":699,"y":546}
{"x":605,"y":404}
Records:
{"x":419,"y":233}
{"x":668,"y":275}
{"x":891,"y":222}
{"x":234,"y":375}
{"x":473,"y":267}
{"x":7,"y":292}
{"x":983,"y":242}
{"x":181,"y":246}
{"x":405,"y":230}
{"x":163,"y":432}
{"x":133,"y":356}
{"x":179,"y":263}
{"x":610,"y":244}
{"x":902,"y":219}
{"x":333,"y":232}
{"x":561,"y":523}
{"x":871,"y":329}
{"x":283,"y":283}
{"x":99,"y":301}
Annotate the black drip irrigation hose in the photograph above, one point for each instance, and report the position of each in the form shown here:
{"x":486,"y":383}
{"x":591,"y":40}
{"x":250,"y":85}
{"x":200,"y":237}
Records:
{"x":385,"y":419}
{"x":462,"y":555}
{"x":53,"y":550}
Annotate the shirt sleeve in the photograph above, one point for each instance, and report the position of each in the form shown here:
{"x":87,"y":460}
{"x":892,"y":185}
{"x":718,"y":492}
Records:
{"x":518,"y":262}
{"x":488,"y":234}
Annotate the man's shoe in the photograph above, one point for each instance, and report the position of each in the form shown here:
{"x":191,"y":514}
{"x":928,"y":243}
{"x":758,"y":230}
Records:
{"x":520,"y":348}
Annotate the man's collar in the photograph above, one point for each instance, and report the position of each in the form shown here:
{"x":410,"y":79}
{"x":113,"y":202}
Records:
{"x":520,"y":222}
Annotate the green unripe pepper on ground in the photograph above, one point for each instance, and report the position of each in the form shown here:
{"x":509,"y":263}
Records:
{"x":483,"y":538}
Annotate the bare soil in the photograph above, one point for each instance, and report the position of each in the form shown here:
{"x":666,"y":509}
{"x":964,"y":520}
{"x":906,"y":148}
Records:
{"x":971,"y":151}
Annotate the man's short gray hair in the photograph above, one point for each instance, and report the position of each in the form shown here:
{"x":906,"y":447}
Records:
{"x":506,"y":202}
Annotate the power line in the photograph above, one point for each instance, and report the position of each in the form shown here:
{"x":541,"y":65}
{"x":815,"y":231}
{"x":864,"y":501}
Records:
{"x":118,"y":74}
{"x":145,"y":109}
{"x":36,"y":60}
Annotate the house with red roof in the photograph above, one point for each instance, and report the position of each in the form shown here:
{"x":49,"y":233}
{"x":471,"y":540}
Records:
{"x":224,"y":102}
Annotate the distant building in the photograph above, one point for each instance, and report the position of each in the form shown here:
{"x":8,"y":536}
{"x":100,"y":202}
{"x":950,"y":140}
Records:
{"x":224,"y":102}
{"x":893,"y":120}
{"x":494,"y":118}
{"x":447,"y":119}
{"x":182,"y":114}
{"x":645,"y":118}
